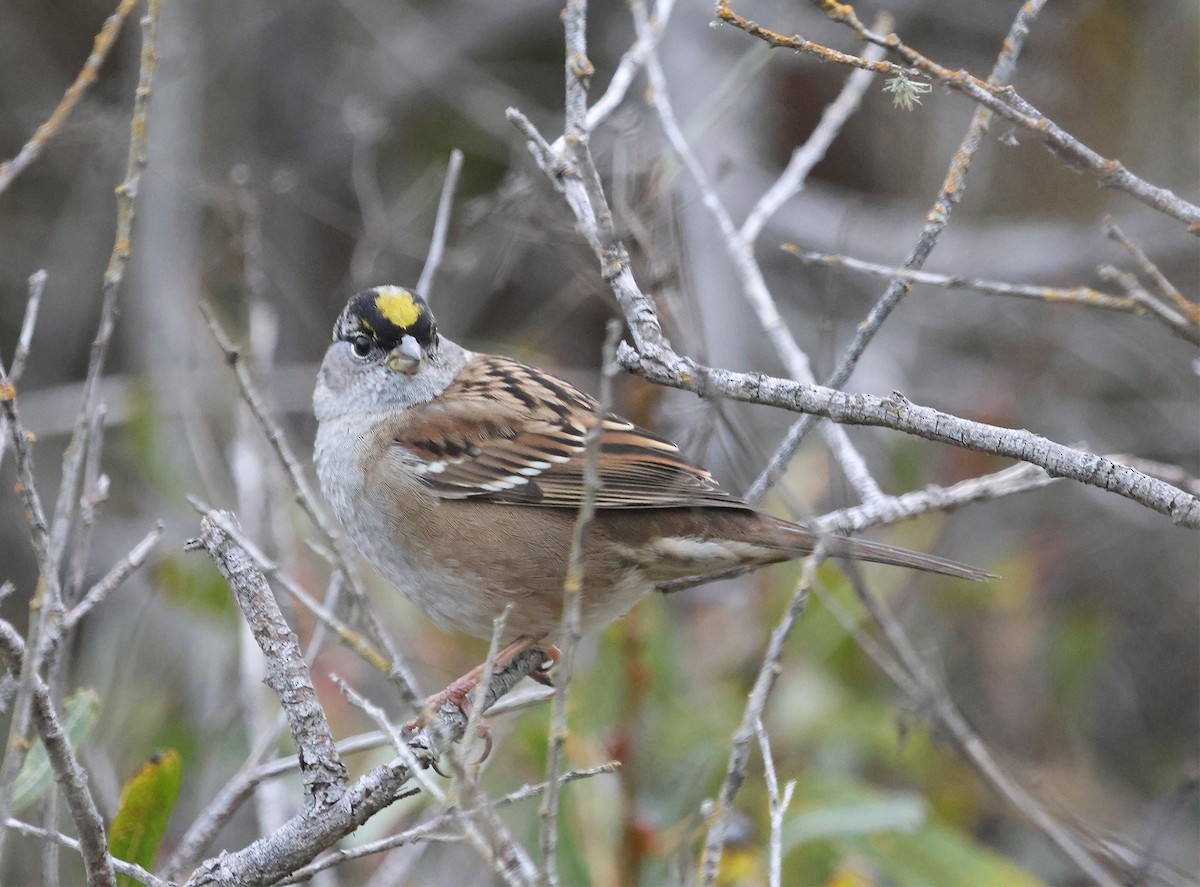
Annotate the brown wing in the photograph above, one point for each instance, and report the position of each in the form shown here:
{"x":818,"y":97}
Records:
{"x":507,"y":432}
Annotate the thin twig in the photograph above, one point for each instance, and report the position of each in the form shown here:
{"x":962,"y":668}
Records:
{"x":435,"y":825}
{"x":441,"y":224}
{"x":120,"y":571}
{"x":1152,"y":305}
{"x":778,"y":803}
{"x":1079,"y":295}
{"x":741,"y":248}
{"x":717,"y":812}
{"x":1191,"y":310}
{"x":992,"y":96}
{"x":101,"y":46}
{"x":37,"y":284}
{"x":489,"y":671}
{"x":120,"y":866}
{"x":571,"y":628}
{"x":931,"y":694}
{"x":69,"y":775}
{"x":892,"y":509}
{"x":936,"y":219}
{"x":399,"y":672}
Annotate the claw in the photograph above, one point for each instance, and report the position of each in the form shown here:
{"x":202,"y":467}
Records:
{"x":459,"y":692}
{"x":542,"y":675}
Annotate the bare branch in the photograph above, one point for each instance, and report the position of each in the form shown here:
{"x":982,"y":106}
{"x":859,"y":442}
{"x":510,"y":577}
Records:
{"x":1191,"y":310}
{"x":441,"y":225}
{"x":1079,"y":295}
{"x":1001,"y":100}
{"x":778,"y":804}
{"x":953,"y":186}
{"x":120,"y":571}
{"x":307,"y":498}
{"x":892,"y":509}
{"x":287,"y":674}
{"x":119,"y":866}
{"x":716,"y":813}
{"x":900,"y":414}
{"x":741,"y":248}
{"x":571,"y":630}
{"x":69,"y":775}
{"x":101,"y":46}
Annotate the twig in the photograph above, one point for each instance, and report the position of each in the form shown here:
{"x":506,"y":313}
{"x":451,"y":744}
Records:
{"x":441,"y":225}
{"x":1079,"y":295}
{"x":892,"y":509}
{"x":900,"y":414}
{"x":1149,"y":304}
{"x":27,"y":670}
{"x":324,"y":775}
{"x":399,"y":672}
{"x":741,"y":248}
{"x":953,"y":186}
{"x":489,"y":672}
{"x":120,"y":571}
{"x":120,"y":866}
{"x":571,"y":628}
{"x":435,"y":825}
{"x":37,"y":284}
{"x":1191,"y":310}
{"x":717,"y":812}
{"x":324,"y":616}
{"x":92,"y":495}
{"x":930,"y":693}
{"x":101,"y":46}
{"x":69,"y":775}
{"x":777,"y":802}
{"x":1001,"y":100}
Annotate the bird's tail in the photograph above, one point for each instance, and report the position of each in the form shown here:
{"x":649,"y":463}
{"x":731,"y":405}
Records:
{"x":792,"y":537}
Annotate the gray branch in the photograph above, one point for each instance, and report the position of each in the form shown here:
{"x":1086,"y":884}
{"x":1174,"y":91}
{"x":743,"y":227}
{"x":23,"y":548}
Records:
{"x":900,"y":414}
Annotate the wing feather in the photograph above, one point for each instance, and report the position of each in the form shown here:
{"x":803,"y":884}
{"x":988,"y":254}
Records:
{"x":507,"y":432}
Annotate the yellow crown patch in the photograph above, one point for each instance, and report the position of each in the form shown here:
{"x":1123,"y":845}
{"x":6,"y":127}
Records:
{"x":398,"y":305}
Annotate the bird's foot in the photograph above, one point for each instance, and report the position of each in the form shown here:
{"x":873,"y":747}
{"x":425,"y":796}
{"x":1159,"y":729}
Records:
{"x":459,"y":694}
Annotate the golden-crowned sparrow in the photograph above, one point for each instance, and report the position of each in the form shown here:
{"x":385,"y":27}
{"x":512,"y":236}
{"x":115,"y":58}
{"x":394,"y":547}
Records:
{"x":458,"y":476}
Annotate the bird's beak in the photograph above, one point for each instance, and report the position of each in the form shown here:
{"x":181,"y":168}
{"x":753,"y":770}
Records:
{"x":406,"y":357}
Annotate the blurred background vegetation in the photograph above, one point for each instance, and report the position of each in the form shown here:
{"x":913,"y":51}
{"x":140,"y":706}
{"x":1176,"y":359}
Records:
{"x":296,"y":152}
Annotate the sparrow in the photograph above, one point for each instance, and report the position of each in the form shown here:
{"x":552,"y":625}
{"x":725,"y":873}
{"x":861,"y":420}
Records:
{"x":459,"y":475}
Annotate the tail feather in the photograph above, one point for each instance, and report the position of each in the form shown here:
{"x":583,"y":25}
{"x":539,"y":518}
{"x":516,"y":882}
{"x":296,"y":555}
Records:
{"x":796,"y":538}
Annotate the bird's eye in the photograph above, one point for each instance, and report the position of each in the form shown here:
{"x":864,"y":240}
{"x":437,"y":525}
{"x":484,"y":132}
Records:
{"x":361,"y":345}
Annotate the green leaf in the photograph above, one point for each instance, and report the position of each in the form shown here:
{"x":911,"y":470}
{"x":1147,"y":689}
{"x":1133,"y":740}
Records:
{"x":939,"y":855}
{"x":146,"y":803}
{"x":36,"y":776}
{"x":899,"y":813}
